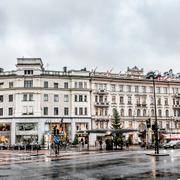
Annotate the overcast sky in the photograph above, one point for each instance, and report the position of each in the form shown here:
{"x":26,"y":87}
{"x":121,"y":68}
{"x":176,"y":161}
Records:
{"x":92,"y":33}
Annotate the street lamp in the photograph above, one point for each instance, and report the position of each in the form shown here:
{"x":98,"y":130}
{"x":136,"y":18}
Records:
{"x":153,"y":75}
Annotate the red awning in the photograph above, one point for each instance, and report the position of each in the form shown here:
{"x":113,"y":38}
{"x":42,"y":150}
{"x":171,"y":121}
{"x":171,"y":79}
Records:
{"x":172,"y":136}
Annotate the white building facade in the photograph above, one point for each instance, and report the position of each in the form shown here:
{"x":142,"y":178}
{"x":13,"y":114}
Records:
{"x":34,"y":100}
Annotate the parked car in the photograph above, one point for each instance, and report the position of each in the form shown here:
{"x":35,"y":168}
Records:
{"x":172,"y":144}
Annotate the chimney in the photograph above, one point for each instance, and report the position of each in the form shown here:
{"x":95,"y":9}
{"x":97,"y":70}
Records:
{"x":65,"y":69}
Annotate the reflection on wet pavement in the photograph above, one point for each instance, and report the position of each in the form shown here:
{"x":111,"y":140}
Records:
{"x":125,"y":165}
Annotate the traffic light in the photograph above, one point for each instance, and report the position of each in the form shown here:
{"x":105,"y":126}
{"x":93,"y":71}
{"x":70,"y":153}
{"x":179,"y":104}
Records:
{"x":54,"y":131}
{"x":153,"y":127}
{"x":148,"y":123}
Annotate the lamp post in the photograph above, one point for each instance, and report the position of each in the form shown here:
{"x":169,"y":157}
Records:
{"x":152,"y":75}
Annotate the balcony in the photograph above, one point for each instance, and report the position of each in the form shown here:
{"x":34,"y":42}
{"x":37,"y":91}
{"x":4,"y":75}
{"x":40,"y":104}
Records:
{"x":102,"y":117}
{"x":101,"y":91}
{"x":176,"y":106}
{"x":177,"y":95}
{"x":101,"y":104}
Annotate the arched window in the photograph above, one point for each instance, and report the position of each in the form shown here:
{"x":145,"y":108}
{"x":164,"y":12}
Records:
{"x":144,"y":112}
{"x":167,"y":113}
{"x":138,"y":112}
{"x":130,"y":112}
{"x":159,"y":112}
{"x":122,"y":112}
{"x":152,"y":112}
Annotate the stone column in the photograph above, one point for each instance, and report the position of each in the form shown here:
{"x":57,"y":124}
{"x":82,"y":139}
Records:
{"x":13,"y":132}
{"x":73,"y":129}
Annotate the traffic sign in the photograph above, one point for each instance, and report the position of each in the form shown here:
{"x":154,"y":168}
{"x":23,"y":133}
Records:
{"x":56,"y":139}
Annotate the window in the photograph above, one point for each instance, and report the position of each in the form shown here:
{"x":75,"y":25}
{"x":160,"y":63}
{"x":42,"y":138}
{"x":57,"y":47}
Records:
{"x":66,"y":111}
{"x":151,"y":100}
{"x":10,"y":98}
{"x":100,"y":98}
{"x":28,"y":72}
{"x":24,"y":110}
{"x":159,"y":113}
{"x":10,"y":84}
{"x":1,"y":84}
{"x":45,"y":97}
{"x":166,"y":101}
{"x":1,"y":98}
{"x":152,"y":112}
{"x":151,"y":89}
{"x":80,"y":111}
{"x":138,"y":113}
{"x":122,"y":112}
{"x":96,"y":98}
{"x":56,"y":85}
{"x":76,"y":111}
{"x":85,"y":85}
{"x":144,"y":89}
{"x":128,"y":88}
{"x":30,"y":110}
{"x":75,"y":98}
{"x":158,"y":90}
{"x":80,"y":85}
{"x":165,"y":90}
{"x":10,"y":111}
{"x":159,"y":101}
{"x":56,"y":111}
{"x":45,"y":84}
{"x":30,"y":97}
{"x":121,"y":100}
{"x":45,"y":110}
{"x":25,"y":97}
{"x":80,"y":98}
{"x":85,"y":111}
{"x":130,"y":112}
{"x":138,"y":101}
{"x":144,"y":112}
{"x":167,"y":113}
{"x":129,"y":100}
{"x":113,"y":87}
{"x":28,"y":83}
{"x":66,"y":85}
{"x":85,"y":98}
{"x":66,"y":98}
{"x":121,"y":88}
{"x":114,"y":99}
{"x":136,"y":89}
{"x":75,"y":85}
{"x":130,"y":124}
{"x":1,"y":111}
{"x":144,"y":100}
{"x":56,"y":98}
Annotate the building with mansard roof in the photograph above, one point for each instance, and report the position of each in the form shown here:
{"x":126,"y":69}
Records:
{"x":34,"y":100}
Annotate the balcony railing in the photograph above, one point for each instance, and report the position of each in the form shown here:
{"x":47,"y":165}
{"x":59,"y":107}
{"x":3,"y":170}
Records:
{"x":101,"y":104}
{"x":101,"y":91}
{"x":176,"y":106}
{"x":101,"y":117}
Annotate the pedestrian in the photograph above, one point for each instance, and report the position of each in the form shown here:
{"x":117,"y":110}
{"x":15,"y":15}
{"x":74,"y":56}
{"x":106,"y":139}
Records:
{"x":127,"y":145}
{"x":82,"y":142}
{"x":100,"y":143}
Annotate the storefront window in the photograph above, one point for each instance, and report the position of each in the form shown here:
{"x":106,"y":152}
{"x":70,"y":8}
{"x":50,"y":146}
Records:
{"x":4,"y":127}
{"x":26,"y":126}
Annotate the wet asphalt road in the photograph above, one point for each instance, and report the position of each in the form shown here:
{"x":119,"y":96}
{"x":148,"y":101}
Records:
{"x":125,"y":165}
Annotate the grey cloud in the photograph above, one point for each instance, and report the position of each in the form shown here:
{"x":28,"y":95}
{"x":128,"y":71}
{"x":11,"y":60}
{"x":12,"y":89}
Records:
{"x":107,"y":34}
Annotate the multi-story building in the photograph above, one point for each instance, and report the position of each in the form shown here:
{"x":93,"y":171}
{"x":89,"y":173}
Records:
{"x":34,"y":100}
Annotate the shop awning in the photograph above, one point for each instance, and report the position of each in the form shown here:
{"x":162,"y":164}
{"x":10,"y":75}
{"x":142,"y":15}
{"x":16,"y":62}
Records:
{"x":172,"y":136}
